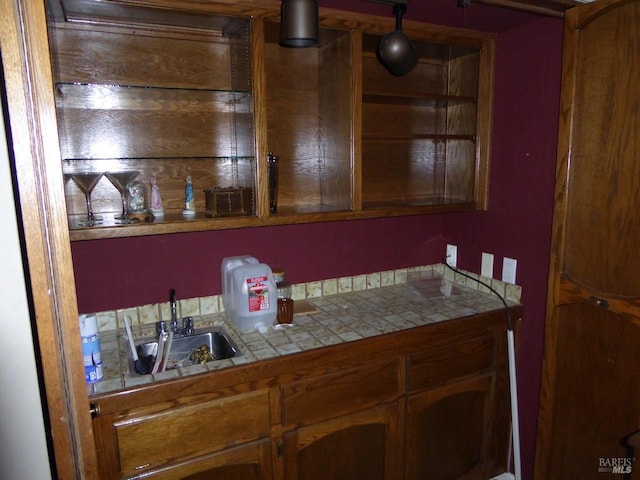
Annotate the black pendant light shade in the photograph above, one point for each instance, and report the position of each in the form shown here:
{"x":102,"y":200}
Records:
{"x":299,"y":23}
{"x":396,"y":51}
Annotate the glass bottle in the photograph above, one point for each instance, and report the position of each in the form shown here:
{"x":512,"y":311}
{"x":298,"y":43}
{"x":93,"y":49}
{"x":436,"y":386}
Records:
{"x":285,"y":303}
{"x":273,"y":167}
{"x":282,"y":284}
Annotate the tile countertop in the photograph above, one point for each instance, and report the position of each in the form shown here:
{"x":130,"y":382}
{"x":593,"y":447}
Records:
{"x":338,"y":318}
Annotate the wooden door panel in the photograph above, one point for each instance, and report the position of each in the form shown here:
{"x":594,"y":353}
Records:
{"x":446,"y":432}
{"x":589,"y":398}
{"x":317,"y":398}
{"x":345,"y":454}
{"x":245,"y":462}
{"x":602,"y":223}
{"x":362,"y":446}
{"x":598,"y":352}
{"x":190,"y":431}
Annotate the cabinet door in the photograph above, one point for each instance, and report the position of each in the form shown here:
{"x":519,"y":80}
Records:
{"x":309,"y":117}
{"x":424,"y":134}
{"x":247,"y":462}
{"x":362,"y":446}
{"x":169,"y":434}
{"x":313,"y":399}
{"x":590,"y":399}
{"x":448,"y":430}
{"x":155,"y":100}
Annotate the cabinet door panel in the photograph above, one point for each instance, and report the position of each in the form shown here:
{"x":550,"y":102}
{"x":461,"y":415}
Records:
{"x":446,"y":431}
{"x":327,"y":396}
{"x":589,"y":398}
{"x":247,"y":462}
{"x":160,"y":438}
{"x":456,"y":359}
{"x":594,"y":411}
{"x":362,"y":446}
{"x":602,"y":218}
{"x":309,"y":121}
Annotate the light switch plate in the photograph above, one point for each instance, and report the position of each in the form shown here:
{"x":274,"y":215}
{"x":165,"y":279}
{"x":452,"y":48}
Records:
{"x":509,"y":266}
{"x":487,"y":265}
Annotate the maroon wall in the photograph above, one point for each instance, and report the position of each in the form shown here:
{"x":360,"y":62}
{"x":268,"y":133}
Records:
{"x":126,"y":272}
{"x":518,"y":223}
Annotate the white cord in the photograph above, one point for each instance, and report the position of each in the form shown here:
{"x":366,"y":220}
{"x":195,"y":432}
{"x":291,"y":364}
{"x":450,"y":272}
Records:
{"x":511,"y":350}
{"x":514,"y":404}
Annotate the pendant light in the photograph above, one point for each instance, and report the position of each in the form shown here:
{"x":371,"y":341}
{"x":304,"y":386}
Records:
{"x":299,"y":23}
{"x":396,"y":51}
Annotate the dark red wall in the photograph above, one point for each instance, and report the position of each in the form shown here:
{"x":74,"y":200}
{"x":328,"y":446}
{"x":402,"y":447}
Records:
{"x":121,"y":273}
{"x":127,"y":272}
{"x":518,"y":223}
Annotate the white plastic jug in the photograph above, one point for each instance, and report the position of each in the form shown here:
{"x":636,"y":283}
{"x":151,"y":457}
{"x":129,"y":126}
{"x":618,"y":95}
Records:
{"x":248,"y":292}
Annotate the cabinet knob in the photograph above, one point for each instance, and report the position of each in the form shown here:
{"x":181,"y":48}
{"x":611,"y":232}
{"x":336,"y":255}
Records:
{"x":599,"y":302}
{"x":94,"y":409}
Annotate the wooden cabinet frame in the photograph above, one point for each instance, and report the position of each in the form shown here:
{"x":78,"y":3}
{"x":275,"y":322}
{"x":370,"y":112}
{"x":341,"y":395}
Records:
{"x":311,"y":197}
{"x":35,"y":150}
{"x":375,"y":384}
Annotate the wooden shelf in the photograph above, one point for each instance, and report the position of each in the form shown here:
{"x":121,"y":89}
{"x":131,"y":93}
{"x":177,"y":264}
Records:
{"x":419,"y":137}
{"x":405,"y":138}
{"x":420,"y":131}
{"x":426,"y":100}
{"x":418,"y":202}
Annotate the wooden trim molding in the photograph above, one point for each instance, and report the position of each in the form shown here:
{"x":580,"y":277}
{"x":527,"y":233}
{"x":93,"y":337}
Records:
{"x":34,"y":148}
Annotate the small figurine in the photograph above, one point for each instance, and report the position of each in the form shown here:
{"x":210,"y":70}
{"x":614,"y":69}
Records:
{"x":156,"y":199}
{"x":189,"y":198}
{"x":137,"y":197}
{"x":138,"y":209}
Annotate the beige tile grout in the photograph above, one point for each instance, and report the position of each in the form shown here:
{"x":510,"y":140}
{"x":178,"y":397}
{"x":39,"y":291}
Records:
{"x":149,"y":314}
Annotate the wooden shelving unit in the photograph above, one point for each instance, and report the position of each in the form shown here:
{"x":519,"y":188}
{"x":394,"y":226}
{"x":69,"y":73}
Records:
{"x":197,"y":93}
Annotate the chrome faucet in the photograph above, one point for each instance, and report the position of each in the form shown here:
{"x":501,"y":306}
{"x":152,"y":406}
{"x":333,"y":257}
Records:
{"x":174,"y":326}
{"x":174,"y":310}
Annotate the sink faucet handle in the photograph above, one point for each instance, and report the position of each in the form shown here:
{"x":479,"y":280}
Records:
{"x":174,"y":309}
{"x":187,"y":325}
{"x":161,"y":327}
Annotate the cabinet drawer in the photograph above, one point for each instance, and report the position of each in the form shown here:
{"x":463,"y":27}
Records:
{"x":159,"y":438}
{"x":327,"y":396}
{"x":451,"y":361}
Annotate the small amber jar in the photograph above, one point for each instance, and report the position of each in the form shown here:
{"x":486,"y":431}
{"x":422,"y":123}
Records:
{"x":285,"y":302}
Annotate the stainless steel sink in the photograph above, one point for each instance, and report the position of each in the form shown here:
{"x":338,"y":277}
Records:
{"x":208,"y":344}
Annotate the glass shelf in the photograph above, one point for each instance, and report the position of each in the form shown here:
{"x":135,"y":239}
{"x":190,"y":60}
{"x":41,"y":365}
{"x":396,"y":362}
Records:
{"x":425,"y":100}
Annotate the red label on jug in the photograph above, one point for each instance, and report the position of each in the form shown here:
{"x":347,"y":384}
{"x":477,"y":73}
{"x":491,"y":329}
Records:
{"x":258,"y":289}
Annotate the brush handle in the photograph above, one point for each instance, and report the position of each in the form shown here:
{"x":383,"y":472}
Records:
{"x":132,"y":345}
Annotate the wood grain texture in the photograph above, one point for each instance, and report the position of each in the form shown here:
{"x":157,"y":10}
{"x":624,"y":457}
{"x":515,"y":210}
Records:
{"x":319,"y":398}
{"x":245,"y":462}
{"x":30,"y":91}
{"x":192,"y":430}
{"x":587,"y":396}
{"x":339,"y":392}
{"x":308,"y":112}
{"x":358,"y":446}
{"x":446,"y":431}
{"x":419,"y":131}
{"x":34,"y":143}
{"x":469,"y":355}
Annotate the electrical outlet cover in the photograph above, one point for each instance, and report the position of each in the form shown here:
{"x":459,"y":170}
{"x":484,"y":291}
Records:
{"x":452,"y":255}
{"x":509,"y":266}
{"x":487,"y":265}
